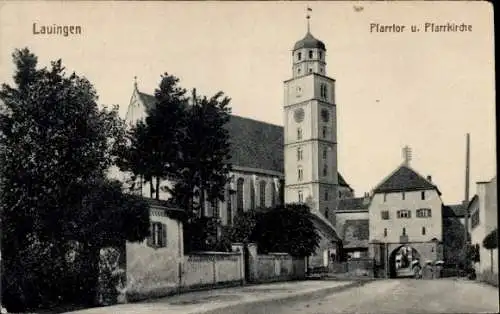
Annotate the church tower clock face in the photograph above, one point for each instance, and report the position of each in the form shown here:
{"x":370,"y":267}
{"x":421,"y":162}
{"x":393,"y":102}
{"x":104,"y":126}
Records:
{"x":299,"y":115}
{"x":325,"y":115}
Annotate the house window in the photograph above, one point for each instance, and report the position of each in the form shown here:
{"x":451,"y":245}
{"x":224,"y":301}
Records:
{"x":310,"y":54}
{"x":158,"y":235}
{"x":423,"y":230}
{"x":403,"y":196}
{"x":262,"y":190}
{"x":300,"y":174}
{"x":325,"y":153}
{"x":404,"y":213}
{"x":324,"y":132}
{"x":325,"y":171}
{"x":299,"y":133}
{"x":475,"y":219}
{"x":385,"y":232}
{"x":301,"y":196}
{"x":326,"y":195}
{"x":299,"y":55}
{"x":299,"y":153}
{"x":385,"y":214}
{"x":422,"y":195}
{"x":385,"y":197}
{"x":239,"y":195}
{"x":423,"y":212}
{"x":404,"y":231}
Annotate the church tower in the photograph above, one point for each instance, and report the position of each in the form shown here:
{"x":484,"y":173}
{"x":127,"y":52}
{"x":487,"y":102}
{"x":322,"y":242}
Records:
{"x":310,"y":131}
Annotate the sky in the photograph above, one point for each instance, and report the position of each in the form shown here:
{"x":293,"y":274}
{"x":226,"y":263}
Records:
{"x":421,"y":89}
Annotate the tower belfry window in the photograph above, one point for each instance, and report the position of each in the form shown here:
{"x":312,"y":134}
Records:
{"x":310,"y":54}
{"x":299,"y":55}
{"x":320,"y":55}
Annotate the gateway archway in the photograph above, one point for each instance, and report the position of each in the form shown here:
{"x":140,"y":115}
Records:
{"x":401,"y":261}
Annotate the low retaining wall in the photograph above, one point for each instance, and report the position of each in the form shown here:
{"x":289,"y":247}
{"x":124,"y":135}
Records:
{"x":357,"y":267}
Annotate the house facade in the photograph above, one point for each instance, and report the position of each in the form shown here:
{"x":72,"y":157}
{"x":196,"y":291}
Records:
{"x":483,"y":210}
{"x":352,"y":221}
{"x":405,"y":221}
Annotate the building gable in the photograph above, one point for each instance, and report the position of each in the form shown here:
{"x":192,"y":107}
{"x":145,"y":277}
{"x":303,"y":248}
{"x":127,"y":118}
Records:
{"x":404,"y":179}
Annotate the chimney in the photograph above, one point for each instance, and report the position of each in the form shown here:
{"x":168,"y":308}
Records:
{"x":429,"y":178}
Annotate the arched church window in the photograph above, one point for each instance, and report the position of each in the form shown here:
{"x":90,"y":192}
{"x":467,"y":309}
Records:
{"x":300,"y":174}
{"x":324,"y":129}
{"x":299,"y":153}
{"x":321,"y":56}
{"x":299,"y":55}
{"x":310,"y":54}
{"x":325,"y":152}
{"x":301,"y":196}
{"x":325,"y":170}
{"x":239,"y":195}
{"x":299,"y":133}
{"x":326,"y":195}
{"x":273,"y":194}
{"x":310,"y":70}
{"x":298,"y":71}
{"x":262,"y":190}
{"x":326,"y":213}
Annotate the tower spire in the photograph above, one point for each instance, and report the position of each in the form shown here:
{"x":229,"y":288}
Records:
{"x":406,"y":155}
{"x":135,"y":82}
{"x":308,"y":17}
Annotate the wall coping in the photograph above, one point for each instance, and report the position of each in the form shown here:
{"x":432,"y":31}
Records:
{"x":204,"y":253}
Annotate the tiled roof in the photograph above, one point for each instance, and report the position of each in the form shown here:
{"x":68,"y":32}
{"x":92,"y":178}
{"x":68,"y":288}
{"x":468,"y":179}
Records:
{"x":254,"y":144}
{"x":404,"y":179}
{"x":342,"y":181}
{"x":355,"y":233}
{"x":456,"y":210}
{"x":359,"y":203}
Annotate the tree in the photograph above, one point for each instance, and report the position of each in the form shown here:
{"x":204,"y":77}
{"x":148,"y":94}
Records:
{"x":56,"y":146}
{"x":285,"y":229}
{"x":204,"y":164}
{"x":490,"y":242}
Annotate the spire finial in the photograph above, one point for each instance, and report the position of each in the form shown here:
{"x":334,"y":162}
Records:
{"x":135,"y":82}
{"x":407,"y":155}
{"x":308,"y":17}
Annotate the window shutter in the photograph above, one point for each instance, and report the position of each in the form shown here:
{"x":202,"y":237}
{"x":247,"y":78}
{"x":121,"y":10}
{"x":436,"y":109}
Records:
{"x":163,"y":235}
{"x":151,"y":235}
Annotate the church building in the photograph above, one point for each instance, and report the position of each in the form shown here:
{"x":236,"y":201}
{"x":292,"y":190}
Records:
{"x":272,"y":164}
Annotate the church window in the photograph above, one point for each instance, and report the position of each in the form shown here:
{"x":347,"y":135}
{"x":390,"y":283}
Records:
{"x":325,"y":152}
{"x":423,"y":230}
{"x":300,"y":153}
{"x":404,"y":231}
{"x":310,"y":70}
{"x":273,"y":194}
{"x":326,"y":195}
{"x":385,"y":232}
{"x":325,"y":170}
{"x":299,"y":55}
{"x":320,"y":55}
{"x":262,"y":190}
{"x":404,"y":213}
{"x":299,"y":133}
{"x":298,"y":71}
{"x":300,"y":174}
{"x":422,"y":195}
{"x":323,"y":89}
{"x":301,"y":196}
{"x":252,"y":194}
{"x":239,"y":195}
{"x":321,"y":70}
{"x":385,"y":197}
{"x":326,"y":213}
{"x":229,"y":209}
{"x":340,"y":194}
{"x":324,"y":131}
{"x":310,"y":54}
